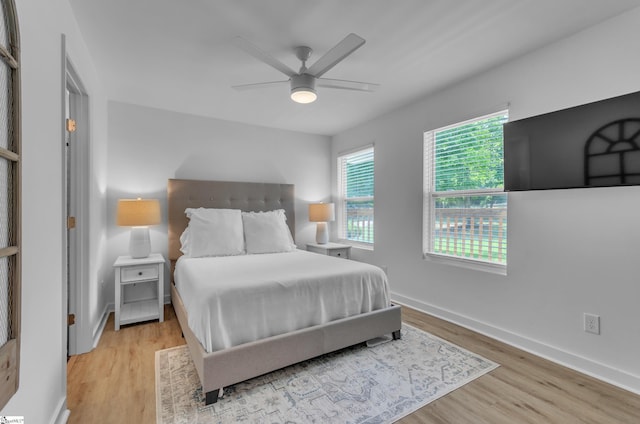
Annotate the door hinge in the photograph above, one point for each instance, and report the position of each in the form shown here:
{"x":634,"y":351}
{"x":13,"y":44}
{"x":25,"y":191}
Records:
{"x":71,"y":222}
{"x":71,"y":319}
{"x":71,"y":125}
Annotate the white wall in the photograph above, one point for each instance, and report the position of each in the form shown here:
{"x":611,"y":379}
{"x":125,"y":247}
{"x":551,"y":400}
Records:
{"x":538,"y":305}
{"x":42,"y":392}
{"x":149,"y":146}
{"x":570,"y":251}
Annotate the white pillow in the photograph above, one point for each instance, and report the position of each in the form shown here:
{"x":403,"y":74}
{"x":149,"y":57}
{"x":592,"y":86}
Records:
{"x":213,"y":232}
{"x":184,"y":241}
{"x":267,"y":232}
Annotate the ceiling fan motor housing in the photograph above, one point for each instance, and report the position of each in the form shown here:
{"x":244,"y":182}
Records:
{"x":303,"y":81}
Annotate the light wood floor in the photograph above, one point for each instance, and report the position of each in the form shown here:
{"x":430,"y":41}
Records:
{"x":115,"y":382}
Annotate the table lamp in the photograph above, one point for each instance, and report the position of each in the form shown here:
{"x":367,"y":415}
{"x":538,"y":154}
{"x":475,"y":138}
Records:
{"x":138,"y":214}
{"x":322,"y":213}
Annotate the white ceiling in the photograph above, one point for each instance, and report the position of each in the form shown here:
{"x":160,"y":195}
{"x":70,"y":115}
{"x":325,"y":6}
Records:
{"x":178,"y":54}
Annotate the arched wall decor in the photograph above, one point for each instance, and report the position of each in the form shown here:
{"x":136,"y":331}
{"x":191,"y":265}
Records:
{"x":612,"y":154}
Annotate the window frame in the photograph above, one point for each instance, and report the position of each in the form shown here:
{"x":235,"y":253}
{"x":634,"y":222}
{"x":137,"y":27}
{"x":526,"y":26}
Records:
{"x":430,"y":196}
{"x":10,"y":350}
{"x":341,"y":203}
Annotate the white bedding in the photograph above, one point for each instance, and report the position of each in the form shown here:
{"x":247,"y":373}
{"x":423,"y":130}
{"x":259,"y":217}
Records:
{"x":237,"y":299}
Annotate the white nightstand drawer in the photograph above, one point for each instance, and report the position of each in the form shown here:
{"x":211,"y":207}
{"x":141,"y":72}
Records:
{"x":339,"y":253}
{"x":139,"y":273}
{"x":336,"y":250}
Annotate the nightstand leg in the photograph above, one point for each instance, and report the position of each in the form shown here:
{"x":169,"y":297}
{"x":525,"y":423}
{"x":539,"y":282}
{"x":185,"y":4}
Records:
{"x":118,"y":299}
{"x":161,"y":292}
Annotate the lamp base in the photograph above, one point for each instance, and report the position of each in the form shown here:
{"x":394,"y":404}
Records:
{"x":322,"y":234}
{"x":140,"y":242}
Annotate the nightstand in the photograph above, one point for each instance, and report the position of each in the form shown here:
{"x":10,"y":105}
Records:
{"x":331,"y":249}
{"x":149,"y":270}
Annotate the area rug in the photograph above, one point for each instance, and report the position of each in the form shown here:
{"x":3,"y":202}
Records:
{"x":377,"y":384}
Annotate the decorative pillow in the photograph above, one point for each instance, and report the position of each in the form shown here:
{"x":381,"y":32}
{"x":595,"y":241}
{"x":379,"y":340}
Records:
{"x":267,"y":232}
{"x":213,"y":232}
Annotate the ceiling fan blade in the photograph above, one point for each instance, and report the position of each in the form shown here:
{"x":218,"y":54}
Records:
{"x":243,"y":87}
{"x":341,"y":50}
{"x":259,"y":54}
{"x":347,"y":85}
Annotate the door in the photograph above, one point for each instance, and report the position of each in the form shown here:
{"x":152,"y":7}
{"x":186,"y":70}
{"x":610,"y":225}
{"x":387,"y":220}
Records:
{"x":71,"y":251}
{"x":76,"y":210}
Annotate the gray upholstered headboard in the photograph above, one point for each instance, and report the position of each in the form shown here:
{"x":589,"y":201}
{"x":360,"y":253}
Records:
{"x":256,"y":197}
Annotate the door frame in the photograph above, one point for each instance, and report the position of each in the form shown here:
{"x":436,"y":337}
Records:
{"x":79,"y":336}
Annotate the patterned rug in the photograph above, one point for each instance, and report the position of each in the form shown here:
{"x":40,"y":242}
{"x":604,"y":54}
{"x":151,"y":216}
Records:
{"x":377,"y":384}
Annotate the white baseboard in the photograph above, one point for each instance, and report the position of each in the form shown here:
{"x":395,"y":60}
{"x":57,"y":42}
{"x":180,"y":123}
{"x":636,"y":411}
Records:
{"x":108,"y":308}
{"x":578,"y":363}
{"x":62,"y":413}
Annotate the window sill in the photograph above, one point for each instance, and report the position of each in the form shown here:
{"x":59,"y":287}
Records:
{"x":483,"y":266}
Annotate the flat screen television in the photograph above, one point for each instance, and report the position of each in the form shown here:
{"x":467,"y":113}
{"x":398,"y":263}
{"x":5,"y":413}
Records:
{"x":592,"y":145}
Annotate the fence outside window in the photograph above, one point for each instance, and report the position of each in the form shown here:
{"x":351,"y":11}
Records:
{"x":473,"y":233}
{"x":359,"y":223}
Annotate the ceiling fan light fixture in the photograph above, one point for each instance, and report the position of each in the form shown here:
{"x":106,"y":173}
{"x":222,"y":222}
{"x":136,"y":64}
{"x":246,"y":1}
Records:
{"x":303,"y":82}
{"x":303,"y":88}
{"x":303,"y":95}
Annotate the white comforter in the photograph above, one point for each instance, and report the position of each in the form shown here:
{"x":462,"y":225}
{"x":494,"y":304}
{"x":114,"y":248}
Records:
{"x":237,"y":299}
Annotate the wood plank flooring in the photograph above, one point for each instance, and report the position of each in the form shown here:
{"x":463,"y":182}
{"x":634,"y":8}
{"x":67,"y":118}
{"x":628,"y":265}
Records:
{"x":524,"y":389}
{"x":115,"y":383}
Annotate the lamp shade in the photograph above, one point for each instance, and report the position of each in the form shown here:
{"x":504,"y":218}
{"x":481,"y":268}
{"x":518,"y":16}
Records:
{"x":138,"y":212}
{"x":322,"y":212}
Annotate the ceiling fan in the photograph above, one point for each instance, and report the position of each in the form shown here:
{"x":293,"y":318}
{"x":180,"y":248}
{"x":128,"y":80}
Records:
{"x":303,"y":83}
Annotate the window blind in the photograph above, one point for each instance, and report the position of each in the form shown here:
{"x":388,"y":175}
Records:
{"x":356,"y":189}
{"x":469,"y":156}
{"x":464,"y":202}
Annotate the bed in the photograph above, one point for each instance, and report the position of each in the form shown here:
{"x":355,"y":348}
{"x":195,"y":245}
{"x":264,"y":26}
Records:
{"x":224,"y":357}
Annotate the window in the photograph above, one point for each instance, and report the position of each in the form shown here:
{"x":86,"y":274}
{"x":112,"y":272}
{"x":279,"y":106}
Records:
{"x":465,"y":207}
{"x":9,"y":202}
{"x":355,"y":191}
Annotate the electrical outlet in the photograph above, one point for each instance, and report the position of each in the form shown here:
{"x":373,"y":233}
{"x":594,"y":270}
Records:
{"x":592,"y":323}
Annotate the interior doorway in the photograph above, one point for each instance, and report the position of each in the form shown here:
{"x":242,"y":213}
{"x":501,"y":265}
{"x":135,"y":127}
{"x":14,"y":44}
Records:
{"x":76,"y":210}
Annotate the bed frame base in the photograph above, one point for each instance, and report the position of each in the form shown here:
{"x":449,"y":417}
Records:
{"x":230,"y":366}
{"x":239,"y":363}
{"x":212,"y":396}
